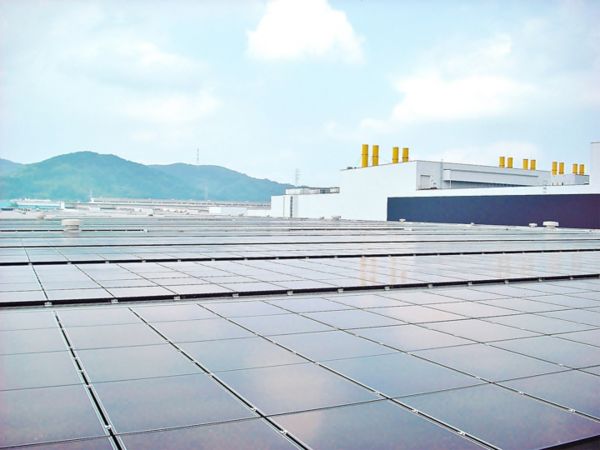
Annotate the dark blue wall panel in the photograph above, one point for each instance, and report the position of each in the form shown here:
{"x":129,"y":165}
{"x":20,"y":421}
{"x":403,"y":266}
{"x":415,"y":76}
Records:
{"x":570,"y":210}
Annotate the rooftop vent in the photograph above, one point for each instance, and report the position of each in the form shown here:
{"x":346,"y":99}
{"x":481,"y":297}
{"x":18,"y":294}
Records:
{"x":71,"y":225}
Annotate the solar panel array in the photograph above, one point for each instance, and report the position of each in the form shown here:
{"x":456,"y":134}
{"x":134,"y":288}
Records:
{"x":139,"y":240}
{"x":449,"y":356}
{"x":38,"y":284}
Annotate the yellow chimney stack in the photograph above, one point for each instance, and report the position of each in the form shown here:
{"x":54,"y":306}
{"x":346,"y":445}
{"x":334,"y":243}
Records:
{"x":405,"y":154}
{"x":575,"y":168}
{"x":395,"y":155}
{"x":532,"y":164}
{"x":375,"y":159}
{"x":581,"y":169}
{"x":365,"y":156}
{"x":554,"y":168}
{"x":502,"y":162}
{"x":561,"y":168}
{"x":510,"y":162}
{"x":525,"y":163}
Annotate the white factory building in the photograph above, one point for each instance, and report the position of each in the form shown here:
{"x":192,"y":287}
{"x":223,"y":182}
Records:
{"x":366,"y":192}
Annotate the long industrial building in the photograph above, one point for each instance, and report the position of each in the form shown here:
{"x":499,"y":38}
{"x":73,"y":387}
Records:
{"x":512,"y":193}
{"x":253,"y":333}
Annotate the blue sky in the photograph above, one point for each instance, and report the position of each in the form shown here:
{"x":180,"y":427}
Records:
{"x":267,"y":87}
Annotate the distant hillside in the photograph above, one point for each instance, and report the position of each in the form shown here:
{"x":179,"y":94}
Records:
{"x":7,"y":167}
{"x":73,"y":176}
{"x":216,"y":182}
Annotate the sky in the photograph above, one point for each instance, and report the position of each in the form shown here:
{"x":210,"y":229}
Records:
{"x":274,"y":87}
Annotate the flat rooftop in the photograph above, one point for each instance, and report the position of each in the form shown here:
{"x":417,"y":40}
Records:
{"x":170,"y":332}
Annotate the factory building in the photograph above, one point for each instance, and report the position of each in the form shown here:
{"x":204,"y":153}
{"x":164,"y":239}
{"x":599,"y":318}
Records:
{"x":439,"y":191}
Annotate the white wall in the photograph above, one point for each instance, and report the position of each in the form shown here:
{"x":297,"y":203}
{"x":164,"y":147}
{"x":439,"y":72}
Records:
{"x":595,"y":165}
{"x":364,"y":192}
{"x":319,"y":205}
{"x":258,"y":212}
{"x":227,"y":210}
{"x":278,"y":206}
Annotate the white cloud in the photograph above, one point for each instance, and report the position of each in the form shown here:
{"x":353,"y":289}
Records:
{"x":549,"y":63}
{"x":172,"y":109}
{"x":136,"y":63}
{"x":455,"y":85}
{"x":431,"y":97}
{"x":298,"y":29}
{"x":490,"y":55}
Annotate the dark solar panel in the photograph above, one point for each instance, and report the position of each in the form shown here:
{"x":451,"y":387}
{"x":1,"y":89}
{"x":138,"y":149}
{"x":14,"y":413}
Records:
{"x":172,"y":359}
{"x":297,"y":387}
{"x":233,"y":354}
{"x":124,"y":363}
{"x":242,"y":435}
{"x":153,"y":403}
{"x":330,"y":345}
{"x":31,"y":370}
{"x":572,"y":389}
{"x":47,"y":414}
{"x":399,"y":374}
{"x":504,"y":418}
{"x":488,"y":362}
{"x":200,"y":330}
{"x":381,"y":425}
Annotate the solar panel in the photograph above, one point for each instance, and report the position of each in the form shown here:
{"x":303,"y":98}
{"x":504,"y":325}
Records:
{"x":413,"y":350}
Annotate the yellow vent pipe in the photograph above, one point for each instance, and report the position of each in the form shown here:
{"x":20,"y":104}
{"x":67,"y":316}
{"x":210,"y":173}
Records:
{"x":375,"y":158}
{"x":375,"y":155}
{"x":578,"y":169}
{"x":508,"y":163}
{"x":405,"y":154}
{"x":365,"y":155}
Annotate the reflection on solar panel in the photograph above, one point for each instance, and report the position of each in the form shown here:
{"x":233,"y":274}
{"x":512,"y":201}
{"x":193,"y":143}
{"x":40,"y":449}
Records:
{"x":465,"y":337}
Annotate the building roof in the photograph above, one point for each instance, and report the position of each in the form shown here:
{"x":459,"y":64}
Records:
{"x":262,"y":333}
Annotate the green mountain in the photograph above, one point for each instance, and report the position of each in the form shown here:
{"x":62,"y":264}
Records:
{"x":216,"y":182}
{"x":75,"y":175}
{"x":7,"y":167}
